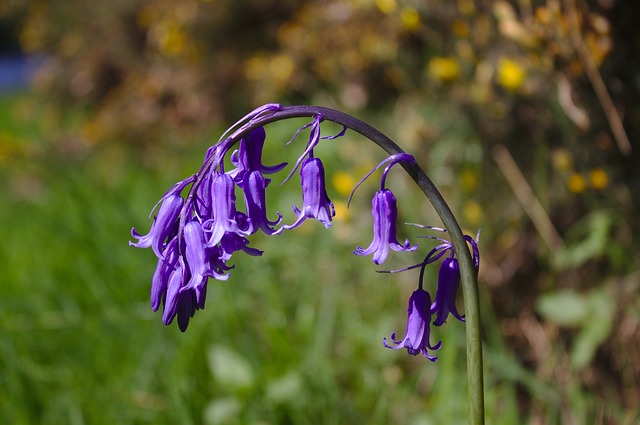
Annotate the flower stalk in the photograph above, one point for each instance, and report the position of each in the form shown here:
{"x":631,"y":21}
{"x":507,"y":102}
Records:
{"x":204,"y":231}
{"x":468,"y":272}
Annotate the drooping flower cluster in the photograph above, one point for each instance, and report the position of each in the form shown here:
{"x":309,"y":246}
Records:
{"x":195,"y":236}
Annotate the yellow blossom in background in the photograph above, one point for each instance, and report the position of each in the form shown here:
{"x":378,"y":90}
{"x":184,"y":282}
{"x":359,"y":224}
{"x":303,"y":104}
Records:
{"x":281,"y":68}
{"x":387,"y":6}
{"x":460,"y":29}
{"x":511,"y":75}
{"x":342,"y":211}
{"x":472,"y":212}
{"x":466,"y":7}
{"x":561,"y":159}
{"x":8,"y":147}
{"x":254,"y":68}
{"x":598,"y":178}
{"x":468,"y":179}
{"x":170,"y":38}
{"x":410,"y":19}
{"x":343,"y":182}
{"x":577,"y":183}
{"x":443,"y":69}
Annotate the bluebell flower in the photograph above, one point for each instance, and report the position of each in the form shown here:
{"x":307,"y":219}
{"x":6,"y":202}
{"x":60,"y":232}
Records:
{"x":385,"y":215}
{"x":163,"y":226}
{"x":175,"y":281}
{"x":448,"y":276}
{"x":448,"y":284}
{"x":180,"y":302}
{"x":167,"y":263}
{"x":232,"y":242}
{"x":223,"y":210}
{"x":196,"y":259}
{"x":417,"y":334}
{"x":315,"y":201}
{"x":254,"y":185}
{"x":248,"y":157}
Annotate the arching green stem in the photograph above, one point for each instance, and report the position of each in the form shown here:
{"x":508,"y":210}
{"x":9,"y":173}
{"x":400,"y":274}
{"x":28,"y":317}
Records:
{"x":469,"y":277}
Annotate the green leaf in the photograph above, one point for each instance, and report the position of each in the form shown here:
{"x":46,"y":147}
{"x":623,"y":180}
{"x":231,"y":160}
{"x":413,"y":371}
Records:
{"x":595,"y":331}
{"x":223,"y":411}
{"x":286,"y":389}
{"x":586,"y":239}
{"x":230,"y":368}
{"x":565,"y":308}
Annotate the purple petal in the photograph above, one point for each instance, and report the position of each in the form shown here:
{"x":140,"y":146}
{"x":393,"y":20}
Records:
{"x":315,"y":201}
{"x":164,"y":224}
{"x":416,"y":338}
{"x":448,"y":284}
{"x":195,"y":253}
{"x":385,"y":215}
{"x":255,"y":200}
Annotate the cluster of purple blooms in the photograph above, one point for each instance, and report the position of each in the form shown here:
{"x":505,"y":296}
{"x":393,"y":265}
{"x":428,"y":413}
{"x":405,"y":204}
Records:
{"x":195,"y":236}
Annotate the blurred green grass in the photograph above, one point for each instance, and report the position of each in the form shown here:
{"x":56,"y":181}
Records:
{"x":293,"y":337}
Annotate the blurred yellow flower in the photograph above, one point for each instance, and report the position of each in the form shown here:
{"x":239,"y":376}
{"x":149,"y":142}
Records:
{"x":410,"y":19}
{"x":444,"y":69}
{"x":343,"y":182}
{"x":281,"y":68}
{"x":561,"y":159}
{"x":254,"y":68}
{"x":472,"y":212}
{"x":7,"y":146}
{"x":511,"y":75}
{"x":460,"y":29}
{"x":342,"y":212}
{"x":387,"y":6}
{"x":577,"y":183}
{"x":466,"y":7}
{"x":468,"y":180}
{"x":598,"y":178}
{"x":170,"y":37}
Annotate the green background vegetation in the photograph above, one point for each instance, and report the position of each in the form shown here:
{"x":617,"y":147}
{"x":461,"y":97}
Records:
{"x":513,"y":109}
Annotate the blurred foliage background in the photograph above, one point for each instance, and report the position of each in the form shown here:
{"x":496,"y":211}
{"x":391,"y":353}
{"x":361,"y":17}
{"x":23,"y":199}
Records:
{"x":525,"y":113}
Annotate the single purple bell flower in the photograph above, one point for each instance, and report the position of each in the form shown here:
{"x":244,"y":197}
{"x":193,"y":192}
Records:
{"x":223,"y":205}
{"x":176,"y":281}
{"x":179,"y":302}
{"x":254,"y":185}
{"x":416,"y":336}
{"x":248,"y":157}
{"x":166,"y":265}
{"x":187,"y":306}
{"x":164,"y":225}
{"x":217,"y":260}
{"x":232,"y":242}
{"x":315,"y":201}
{"x":385,"y":215}
{"x":448,"y":284}
{"x":197,"y":261}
